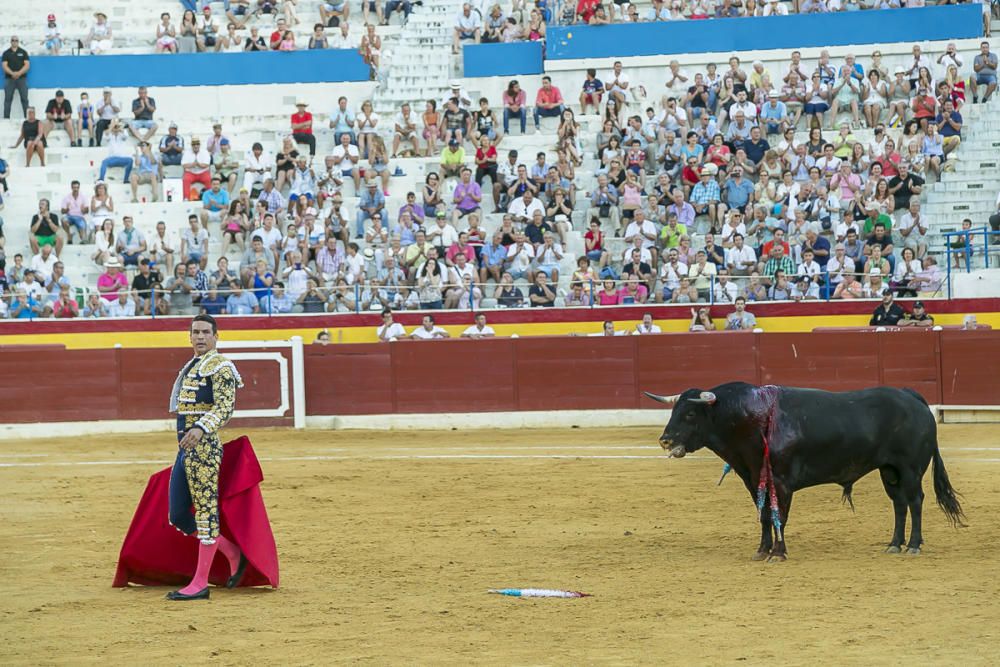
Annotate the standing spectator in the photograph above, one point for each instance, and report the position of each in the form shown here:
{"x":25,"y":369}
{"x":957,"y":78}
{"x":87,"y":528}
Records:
{"x":197,"y":165}
{"x":107,"y":111}
{"x":74,"y":207}
{"x":302,"y":127}
{"x":548,"y":102}
{"x":16,"y":64}
{"x":143,"y":108}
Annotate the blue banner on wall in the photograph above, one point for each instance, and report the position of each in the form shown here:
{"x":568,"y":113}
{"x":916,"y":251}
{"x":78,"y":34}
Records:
{"x":197,"y":69}
{"x":881,"y":26}
{"x":502,"y":59}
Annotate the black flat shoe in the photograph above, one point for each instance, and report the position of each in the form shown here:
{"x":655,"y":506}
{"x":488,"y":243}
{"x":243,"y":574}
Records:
{"x":203,"y":594}
{"x":234,"y":580}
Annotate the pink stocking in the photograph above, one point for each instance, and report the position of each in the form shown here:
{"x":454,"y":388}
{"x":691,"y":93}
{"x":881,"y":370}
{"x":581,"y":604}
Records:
{"x":206,"y":554}
{"x":231,"y":552}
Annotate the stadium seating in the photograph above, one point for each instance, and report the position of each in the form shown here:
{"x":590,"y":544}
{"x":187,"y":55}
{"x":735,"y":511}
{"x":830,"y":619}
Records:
{"x":417,"y":66}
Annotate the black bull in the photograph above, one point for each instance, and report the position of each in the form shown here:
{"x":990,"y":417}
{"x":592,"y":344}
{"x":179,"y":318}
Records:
{"x":817,"y":437}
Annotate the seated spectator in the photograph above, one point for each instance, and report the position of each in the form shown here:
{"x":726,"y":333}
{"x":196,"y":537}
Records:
{"x":100,"y":39}
{"x":888,"y":313}
{"x":112,"y":281}
{"x":147,"y":170}
{"x":59,"y":113}
{"x":241,"y":301}
{"x":701,"y":320}
{"x":389,"y":329}
{"x":541,"y":294}
{"x":194,"y":242}
{"x":985,"y":67}
{"x":214,"y":203}
{"x":74,"y":207}
{"x":130,"y":244}
{"x":548,"y":102}
{"x":257,"y":167}
{"x":302,"y":131}
{"x":197,"y":165}
{"x":467,"y":26}
{"x":166,"y":35}
{"x":119,"y":151}
{"x":45,"y":229}
{"x":171,"y":147}
{"x":123,"y":306}
{"x":143,"y":108}
{"x":592,"y":92}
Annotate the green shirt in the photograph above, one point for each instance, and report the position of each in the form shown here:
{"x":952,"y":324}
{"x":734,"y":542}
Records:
{"x":869,"y":226}
{"x":452,"y":157}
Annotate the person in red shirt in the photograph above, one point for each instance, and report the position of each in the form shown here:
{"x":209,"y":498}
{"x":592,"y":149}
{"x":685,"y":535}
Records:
{"x":302,"y":127}
{"x":585,"y":9}
{"x":548,"y":102}
{"x":779,"y":239}
{"x":279,"y":32}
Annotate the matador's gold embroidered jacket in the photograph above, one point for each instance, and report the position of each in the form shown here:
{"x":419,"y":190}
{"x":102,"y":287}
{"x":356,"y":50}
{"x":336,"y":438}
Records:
{"x":204,"y":393}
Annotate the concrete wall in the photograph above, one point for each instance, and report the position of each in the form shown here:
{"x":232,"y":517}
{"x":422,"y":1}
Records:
{"x":197,"y":69}
{"x":770,"y":32}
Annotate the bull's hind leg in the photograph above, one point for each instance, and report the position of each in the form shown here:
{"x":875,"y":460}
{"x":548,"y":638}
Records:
{"x":779,"y":552}
{"x":893,"y":488}
{"x":766,"y":537}
{"x":915,"y":501}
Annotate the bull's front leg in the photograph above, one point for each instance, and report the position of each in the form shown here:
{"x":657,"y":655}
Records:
{"x":779,"y":551}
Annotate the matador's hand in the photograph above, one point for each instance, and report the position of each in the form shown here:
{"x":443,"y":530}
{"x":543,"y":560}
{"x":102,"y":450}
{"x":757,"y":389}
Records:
{"x":191,"y":438}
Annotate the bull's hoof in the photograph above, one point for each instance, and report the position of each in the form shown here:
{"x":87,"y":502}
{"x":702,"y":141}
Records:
{"x":761,"y":555}
{"x":893,"y":550}
{"x":913,"y":551}
{"x":777,"y":558}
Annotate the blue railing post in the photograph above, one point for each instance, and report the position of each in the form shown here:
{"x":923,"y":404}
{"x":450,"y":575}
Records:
{"x":711,"y":290}
{"x":152,"y":302}
{"x":591,"y":281}
{"x":270,"y":301}
{"x":357,"y":298}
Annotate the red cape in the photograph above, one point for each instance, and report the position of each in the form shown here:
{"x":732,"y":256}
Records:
{"x":157,"y":554}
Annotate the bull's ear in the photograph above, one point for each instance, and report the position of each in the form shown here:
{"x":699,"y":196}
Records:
{"x":708,"y":397}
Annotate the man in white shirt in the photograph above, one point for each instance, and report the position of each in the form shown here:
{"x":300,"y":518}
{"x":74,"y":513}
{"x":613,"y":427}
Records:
{"x":467,"y":26}
{"x":913,"y":229}
{"x":119,"y":151}
{"x":406,"y":129}
{"x":194,"y":241}
{"x":839,"y":264}
{"x":677,"y":81}
{"x":741,"y":258}
{"x":617,"y":83}
{"x":428,"y":330}
{"x":748,"y":108}
{"x":646,"y":327}
{"x":641,"y":228}
{"x":389,"y":331}
{"x":519,"y":257}
{"x":257,"y":166}
{"x":346,"y":158}
{"x":123,"y":306}
{"x":523,"y":208}
{"x":197,"y":164}
{"x":43,"y":263}
{"x":441,"y":234}
{"x":479,"y":329}
{"x":270,"y":236}
{"x":343,"y":39}
{"x":163,"y":246}
{"x":725,"y":290}
{"x":809,"y":267}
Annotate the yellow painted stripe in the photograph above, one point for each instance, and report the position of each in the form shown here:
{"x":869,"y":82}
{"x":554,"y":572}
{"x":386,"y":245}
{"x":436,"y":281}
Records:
{"x":138,"y":339}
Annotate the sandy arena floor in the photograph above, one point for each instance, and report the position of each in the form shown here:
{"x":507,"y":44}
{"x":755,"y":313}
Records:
{"x":388,"y":542}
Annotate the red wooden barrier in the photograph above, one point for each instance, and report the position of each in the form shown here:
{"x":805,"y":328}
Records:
{"x":545,"y":373}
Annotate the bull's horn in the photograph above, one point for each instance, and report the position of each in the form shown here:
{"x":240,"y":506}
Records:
{"x":663,"y":399}
{"x":705,"y":397}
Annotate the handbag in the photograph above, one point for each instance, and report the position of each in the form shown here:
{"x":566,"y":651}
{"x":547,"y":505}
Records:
{"x":604,"y":210}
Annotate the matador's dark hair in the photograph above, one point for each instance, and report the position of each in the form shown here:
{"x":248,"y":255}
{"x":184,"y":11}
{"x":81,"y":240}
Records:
{"x":206,"y":318}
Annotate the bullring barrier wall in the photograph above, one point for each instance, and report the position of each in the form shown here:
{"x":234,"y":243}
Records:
{"x":797,"y":31}
{"x":197,"y":69}
{"x":949,"y":367}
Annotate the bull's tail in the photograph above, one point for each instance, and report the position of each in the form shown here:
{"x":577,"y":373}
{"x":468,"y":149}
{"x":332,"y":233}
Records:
{"x":947,"y":497}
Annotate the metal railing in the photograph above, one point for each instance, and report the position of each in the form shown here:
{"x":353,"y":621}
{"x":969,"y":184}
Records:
{"x":964,"y":244}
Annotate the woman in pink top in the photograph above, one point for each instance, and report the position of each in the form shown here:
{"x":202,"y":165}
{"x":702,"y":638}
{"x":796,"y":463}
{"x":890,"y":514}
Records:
{"x":112,"y":280}
{"x":633,"y":291}
{"x":608,"y":294}
{"x":513,"y":106}
{"x":847,"y":183}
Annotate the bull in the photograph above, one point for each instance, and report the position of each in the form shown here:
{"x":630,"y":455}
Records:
{"x":779,"y":440}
